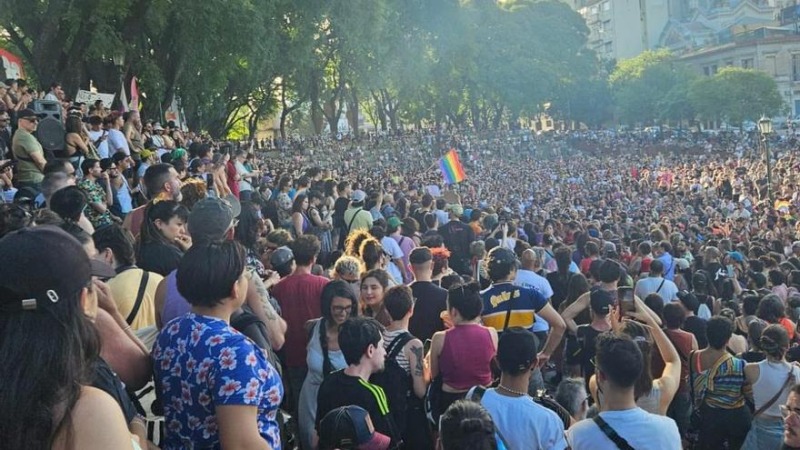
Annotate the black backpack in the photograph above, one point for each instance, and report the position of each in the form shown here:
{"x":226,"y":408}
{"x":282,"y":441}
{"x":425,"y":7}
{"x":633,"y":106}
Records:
{"x":396,"y":382}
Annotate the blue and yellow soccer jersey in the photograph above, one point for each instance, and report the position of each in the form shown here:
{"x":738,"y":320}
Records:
{"x":523,"y":303}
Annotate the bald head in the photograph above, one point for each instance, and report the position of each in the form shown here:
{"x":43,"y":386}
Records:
{"x":530,"y":260}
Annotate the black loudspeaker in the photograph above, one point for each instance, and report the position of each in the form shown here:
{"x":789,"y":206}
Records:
{"x":50,"y":131}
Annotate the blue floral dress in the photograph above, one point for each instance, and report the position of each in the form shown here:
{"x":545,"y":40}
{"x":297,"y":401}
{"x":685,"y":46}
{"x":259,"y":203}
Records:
{"x":201,"y":362}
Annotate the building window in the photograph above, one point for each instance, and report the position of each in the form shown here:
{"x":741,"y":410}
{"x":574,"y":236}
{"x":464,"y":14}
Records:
{"x":772,"y":65}
{"x":747,"y":63}
{"x":796,"y":67}
{"x":714,"y":69}
{"x":706,"y":71}
{"x":608,"y":47}
{"x":607,"y":6}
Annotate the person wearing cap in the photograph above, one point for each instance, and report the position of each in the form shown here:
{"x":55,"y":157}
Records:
{"x":298,"y":296}
{"x":357,"y":217}
{"x":282,"y":261}
{"x":157,"y":138}
{"x":655,"y":283}
{"x":361,"y":343}
{"x":148,"y":158}
{"x":457,"y":237}
{"x":619,"y":363}
{"x":522,"y":422}
{"x":350,"y":428}
{"x":28,"y":151}
{"x":49,"y":347}
{"x":430,"y":300}
{"x":506,"y":304}
{"x":219,"y":388}
{"x":213,"y":220}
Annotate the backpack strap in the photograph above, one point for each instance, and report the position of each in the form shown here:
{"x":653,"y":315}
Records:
{"x":353,"y":219}
{"x":397,"y":344}
{"x":661,"y":285}
{"x":618,"y":440}
{"x":139,"y":297}
{"x":765,"y":406}
{"x":476,"y":395}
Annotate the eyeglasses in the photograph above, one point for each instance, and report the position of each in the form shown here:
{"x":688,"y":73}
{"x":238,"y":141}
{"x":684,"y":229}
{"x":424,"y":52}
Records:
{"x":341,"y":309}
{"x":786,"y":410}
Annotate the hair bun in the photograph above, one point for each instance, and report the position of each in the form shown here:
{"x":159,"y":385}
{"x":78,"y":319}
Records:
{"x":475,"y":425}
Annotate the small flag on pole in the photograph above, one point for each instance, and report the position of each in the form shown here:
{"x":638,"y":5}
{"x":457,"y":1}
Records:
{"x":135,"y":105}
{"x":451,"y":168}
{"x":123,"y":97}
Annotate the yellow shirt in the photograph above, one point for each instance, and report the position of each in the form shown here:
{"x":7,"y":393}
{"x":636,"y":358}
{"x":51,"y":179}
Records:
{"x":125,"y":287}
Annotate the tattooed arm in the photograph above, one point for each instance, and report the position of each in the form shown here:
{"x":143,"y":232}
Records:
{"x":420,"y":374}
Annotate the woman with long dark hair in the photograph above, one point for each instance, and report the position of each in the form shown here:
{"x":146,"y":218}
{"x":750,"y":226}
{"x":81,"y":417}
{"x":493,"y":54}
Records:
{"x":300,"y":221}
{"x":338,"y":303}
{"x":163,"y":239}
{"x":770,"y":378}
{"x":48,"y":346}
{"x":374,"y":284}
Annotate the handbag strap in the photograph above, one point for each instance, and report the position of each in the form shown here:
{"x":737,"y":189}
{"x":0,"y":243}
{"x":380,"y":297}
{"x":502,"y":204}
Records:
{"x":610,"y":433}
{"x":774,"y":398}
{"x":661,"y":285}
{"x":139,"y":297}
{"x":476,"y":395}
{"x":508,"y":315}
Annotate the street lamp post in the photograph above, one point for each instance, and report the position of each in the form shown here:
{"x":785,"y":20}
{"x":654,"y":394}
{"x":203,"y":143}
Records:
{"x":765,"y":127}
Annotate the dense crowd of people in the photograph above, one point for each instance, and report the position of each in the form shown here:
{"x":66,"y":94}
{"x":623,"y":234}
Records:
{"x":583,"y":290}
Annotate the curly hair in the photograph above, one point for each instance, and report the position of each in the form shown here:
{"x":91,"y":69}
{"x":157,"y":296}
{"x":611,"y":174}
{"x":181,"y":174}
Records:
{"x":352,"y":245}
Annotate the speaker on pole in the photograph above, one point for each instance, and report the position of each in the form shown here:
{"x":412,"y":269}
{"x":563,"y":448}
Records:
{"x":50,"y":132}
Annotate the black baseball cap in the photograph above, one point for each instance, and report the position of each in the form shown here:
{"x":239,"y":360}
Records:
{"x":501,"y":257}
{"x":600,"y":300}
{"x":26,"y":113}
{"x":43,"y":265}
{"x":517,"y":350}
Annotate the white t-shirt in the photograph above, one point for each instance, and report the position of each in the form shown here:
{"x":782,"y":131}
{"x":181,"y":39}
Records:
{"x":649,"y":285}
{"x":117,"y":142}
{"x":391,"y":247}
{"x":102,"y":148}
{"x":244,"y":185}
{"x":532,"y":280}
{"x":523,"y":423}
{"x":641,"y":429}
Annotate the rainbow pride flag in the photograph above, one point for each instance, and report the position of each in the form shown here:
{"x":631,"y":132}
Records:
{"x":451,"y":168}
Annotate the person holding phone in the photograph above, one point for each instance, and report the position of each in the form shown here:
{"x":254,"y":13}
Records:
{"x":643,"y":326}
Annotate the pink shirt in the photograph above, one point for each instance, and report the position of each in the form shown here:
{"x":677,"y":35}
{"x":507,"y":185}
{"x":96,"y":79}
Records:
{"x":466,"y":357}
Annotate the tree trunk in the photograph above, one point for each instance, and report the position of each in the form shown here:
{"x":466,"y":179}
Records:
{"x":352,"y":111}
